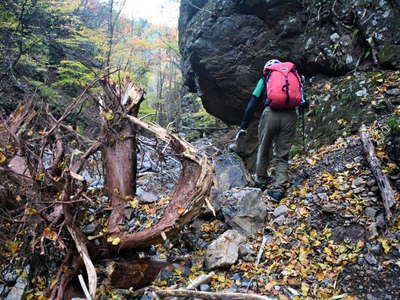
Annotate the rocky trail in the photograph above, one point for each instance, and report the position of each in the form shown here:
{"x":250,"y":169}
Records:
{"x":328,"y":238}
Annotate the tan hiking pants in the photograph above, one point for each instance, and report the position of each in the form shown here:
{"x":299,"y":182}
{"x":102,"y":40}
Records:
{"x":277,"y":129}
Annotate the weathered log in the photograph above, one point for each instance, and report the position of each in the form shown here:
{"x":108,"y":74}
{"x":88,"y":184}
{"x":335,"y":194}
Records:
{"x":208,"y":295}
{"x":188,"y":196}
{"x":385,"y":188}
{"x":119,"y":148}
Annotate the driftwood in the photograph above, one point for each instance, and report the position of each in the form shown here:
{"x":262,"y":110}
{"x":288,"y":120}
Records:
{"x":207,"y":295}
{"x":200,"y":280}
{"x":261,"y":251}
{"x":187,"y":197}
{"x":387,"y":192}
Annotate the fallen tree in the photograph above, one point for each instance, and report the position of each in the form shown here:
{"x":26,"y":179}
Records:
{"x":387,"y":192}
{"x":59,"y":182}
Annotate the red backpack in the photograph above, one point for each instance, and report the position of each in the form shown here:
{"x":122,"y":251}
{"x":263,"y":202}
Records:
{"x":283,"y":85}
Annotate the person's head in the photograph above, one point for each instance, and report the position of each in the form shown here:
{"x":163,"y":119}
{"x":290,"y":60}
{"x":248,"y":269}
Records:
{"x":270,"y":63}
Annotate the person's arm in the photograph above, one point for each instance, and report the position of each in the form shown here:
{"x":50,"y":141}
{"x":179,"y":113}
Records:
{"x":252,"y":105}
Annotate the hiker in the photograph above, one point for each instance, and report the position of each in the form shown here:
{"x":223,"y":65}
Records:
{"x":279,"y":92}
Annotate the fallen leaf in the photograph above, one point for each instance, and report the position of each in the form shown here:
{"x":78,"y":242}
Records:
{"x":3,"y":158}
{"x":48,"y":233}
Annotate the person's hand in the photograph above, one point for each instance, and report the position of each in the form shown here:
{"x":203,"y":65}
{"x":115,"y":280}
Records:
{"x":241,"y":133}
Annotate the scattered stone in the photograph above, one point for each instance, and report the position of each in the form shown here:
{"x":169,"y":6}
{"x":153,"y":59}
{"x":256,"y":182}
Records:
{"x":245,"y":211}
{"x":89,"y":229}
{"x":323,"y":196}
{"x":224,"y":251}
{"x":146,"y":197}
{"x":370,"y":258}
{"x":357,"y":181}
{"x":279,"y":220}
{"x":280,"y":210}
{"x":10,"y":277}
{"x":358,"y":190}
{"x":3,"y":288}
{"x":334,"y":37}
{"x":18,"y":290}
{"x":293,"y":291}
{"x":393,"y":92}
{"x":205,"y":288}
{"x":370,"y":212}
{"x":376,"y":248}
{"x":362,"y":93}
{"x":373,"y":231}
{"x":380,"y":221}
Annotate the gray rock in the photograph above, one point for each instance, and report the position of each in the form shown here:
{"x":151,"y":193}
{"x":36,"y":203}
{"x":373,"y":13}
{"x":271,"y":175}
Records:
{"x":323,"y":196}
{"x":373,"y":230}
{"x":279,"y":220}
{"x":224,"y":251}
{"x":245,"y":249}
{"x":10,"y":276}
{"x":334,"y":37}
{"x":245,"y":211}
{"x":376,"y":248}
{"x":370,"y":258}
{"x":370,"y":212}
{"x":230,"y":172}
{"x":380,"y":221}
{"x":280,"y":210}
{"x":3,"y":289}
{"x":357,"y":181}
{"x":89,"y":228}
{"x":393,"y":92}
{"x":146,"y":197}
{"x":205,"y":288}
{"x":18,"y":290}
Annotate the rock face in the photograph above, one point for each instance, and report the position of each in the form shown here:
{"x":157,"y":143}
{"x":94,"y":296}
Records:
{"x":224,"y":251}
{"x":225,"y":44}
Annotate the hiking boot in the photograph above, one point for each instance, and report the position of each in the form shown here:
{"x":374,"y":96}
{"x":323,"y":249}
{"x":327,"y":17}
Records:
{"x":276,"y":196}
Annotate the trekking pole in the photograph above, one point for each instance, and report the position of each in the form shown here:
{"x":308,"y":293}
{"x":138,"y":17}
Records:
{"x":303,"y":130}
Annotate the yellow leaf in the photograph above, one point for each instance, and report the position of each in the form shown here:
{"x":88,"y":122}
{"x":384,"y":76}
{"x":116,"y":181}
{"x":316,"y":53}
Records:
{"x":48,"y":233}
{"x":134,"y":203}
{"x":116,"y":241}
{"x":108,"y":115}
{"x":180,"y":210}
{"x":30,"y":132}
{"x":303,"y":256}
{"x":327,"y":86}
{"x":385,"y":245}
{"x":313,"y":233}
{"x":327,"y":251}
{"x":12,"y":247}
{"x":312,"y":162}
{"x":3,"y":158}
{"x":40,"y":176}
{"x":30,"y":211}
{"x":304,"y":289}
{"x":320,"y":276}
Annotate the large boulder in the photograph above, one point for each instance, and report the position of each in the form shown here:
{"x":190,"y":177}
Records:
{"x":225,"y":44}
